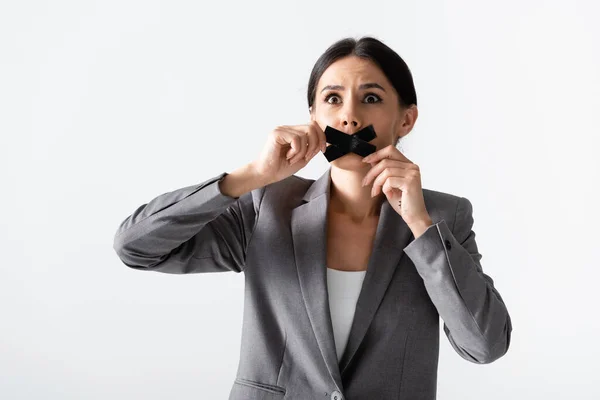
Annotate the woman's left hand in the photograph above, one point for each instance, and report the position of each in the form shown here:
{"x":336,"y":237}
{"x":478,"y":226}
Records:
{"x":400,"y":180}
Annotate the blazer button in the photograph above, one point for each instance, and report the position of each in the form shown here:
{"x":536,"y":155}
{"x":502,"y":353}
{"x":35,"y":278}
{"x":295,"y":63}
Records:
{"x":336,"y":395}
{"x":448,"y":244}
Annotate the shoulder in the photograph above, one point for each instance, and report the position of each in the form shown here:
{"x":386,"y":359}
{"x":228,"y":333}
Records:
{"x":439,"y":198}
{"x":290,"y":189}
{"x":289,"y":192}
{"x":448,"y":206}
{"x":281,"y":195}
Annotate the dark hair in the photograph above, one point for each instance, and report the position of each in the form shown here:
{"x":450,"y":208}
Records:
{"x":392,"y":65}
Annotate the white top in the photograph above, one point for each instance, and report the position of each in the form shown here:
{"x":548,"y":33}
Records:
{"x":344,"y":288}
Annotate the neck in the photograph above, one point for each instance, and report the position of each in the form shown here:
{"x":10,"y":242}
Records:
{"x":349,"y":197}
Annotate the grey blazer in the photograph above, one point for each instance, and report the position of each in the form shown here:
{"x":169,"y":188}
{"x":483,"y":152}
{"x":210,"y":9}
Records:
{"x":276,"y":235}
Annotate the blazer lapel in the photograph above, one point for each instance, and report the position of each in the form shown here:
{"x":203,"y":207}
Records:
{"x":390,"y":239}
{"x":309,"y":232}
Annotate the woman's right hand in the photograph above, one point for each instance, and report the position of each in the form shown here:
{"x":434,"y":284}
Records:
{"x":288,"y":149}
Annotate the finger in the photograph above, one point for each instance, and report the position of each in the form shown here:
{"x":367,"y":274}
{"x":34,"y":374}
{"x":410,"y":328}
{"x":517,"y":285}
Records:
{"x":321,"y":135}
{"x":322,"y":142}
{"x":295,"y":136}
{"x":295,"y":144}
{"x":301,"y":153}
{"x":313,"y":143}
{"x":301,"y":127}
{"x":377,"y":155}
{"x":388,"y":173}
{"x":284,"y":137}
{"x":393,"y":183}
{"x":390,"y":151}
{"x":380,"y":166}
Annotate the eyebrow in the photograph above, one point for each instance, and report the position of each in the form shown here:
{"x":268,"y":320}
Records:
{"x":363,"y":86}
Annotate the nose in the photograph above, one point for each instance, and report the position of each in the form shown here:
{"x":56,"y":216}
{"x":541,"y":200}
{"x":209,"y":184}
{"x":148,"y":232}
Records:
{"x":350,"y":118}
{"x":349,"y":127}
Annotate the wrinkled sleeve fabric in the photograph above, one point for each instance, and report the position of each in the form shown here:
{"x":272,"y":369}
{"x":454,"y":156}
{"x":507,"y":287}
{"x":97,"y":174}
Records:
{"x":194,"y":229}
{"x":476,"y":320}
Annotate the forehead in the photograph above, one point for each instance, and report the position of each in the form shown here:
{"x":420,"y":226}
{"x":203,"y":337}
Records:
{"x":350,"y":71}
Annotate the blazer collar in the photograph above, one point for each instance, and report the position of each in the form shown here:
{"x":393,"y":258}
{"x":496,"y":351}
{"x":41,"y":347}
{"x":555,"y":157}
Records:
{"x":309,"y":232}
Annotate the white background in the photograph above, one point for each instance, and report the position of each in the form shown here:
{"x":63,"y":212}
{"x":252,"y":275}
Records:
{"x":106,"y":104}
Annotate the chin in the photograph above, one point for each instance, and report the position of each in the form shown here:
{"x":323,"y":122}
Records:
{"x":351,"y":162}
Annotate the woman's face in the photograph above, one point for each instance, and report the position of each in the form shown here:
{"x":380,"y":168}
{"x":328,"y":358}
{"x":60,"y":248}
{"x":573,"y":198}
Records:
{"x":341,"y":97}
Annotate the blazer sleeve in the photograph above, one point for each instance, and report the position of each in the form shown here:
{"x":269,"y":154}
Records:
{"x":476,"y":320}
{"x":189,"y":230}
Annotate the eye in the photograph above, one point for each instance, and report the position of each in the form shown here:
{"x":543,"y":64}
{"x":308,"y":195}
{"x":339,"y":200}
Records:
{"x":373,"y":95}
{"x":329,"y":97}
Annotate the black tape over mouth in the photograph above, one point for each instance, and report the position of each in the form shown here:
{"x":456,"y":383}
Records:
{"x":342,"y":143}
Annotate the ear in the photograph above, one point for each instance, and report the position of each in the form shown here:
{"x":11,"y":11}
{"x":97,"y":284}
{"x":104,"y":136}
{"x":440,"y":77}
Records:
{"x":414,"y":114}
{"x":399,"y":131}
{"x":409,"y":118}
{"x":312,"y":115}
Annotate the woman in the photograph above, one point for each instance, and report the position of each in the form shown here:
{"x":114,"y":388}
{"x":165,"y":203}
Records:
{"x":347,"y":275}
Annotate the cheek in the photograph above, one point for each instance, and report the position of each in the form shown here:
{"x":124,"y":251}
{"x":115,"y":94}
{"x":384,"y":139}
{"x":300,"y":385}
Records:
{"x":323,"y":120}
{"x":385,"y":135}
